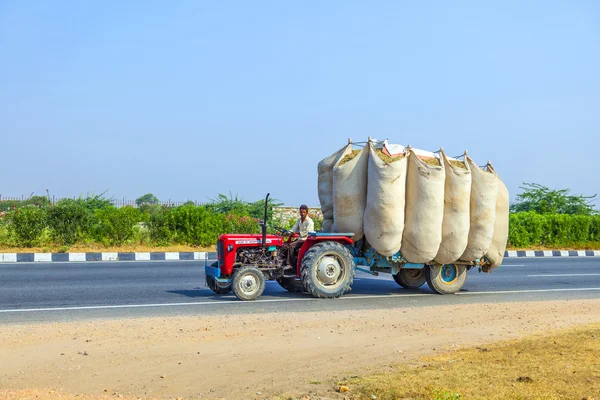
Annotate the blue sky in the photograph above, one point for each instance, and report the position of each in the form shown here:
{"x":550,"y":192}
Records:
{"x":188,"y":99}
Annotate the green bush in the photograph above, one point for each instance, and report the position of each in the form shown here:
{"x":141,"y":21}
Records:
{"x":161,"y":227}
{"x":5,"y":236}
{"x":26,"y":225}
{"x":529,"y":229}
{"x":196,"y":225}
{"x":93,"y":202}
{"x":242,"y":224}
{"x":68,"y":220}
{"x":318,"y":223}
{"x":595,"y":228}
{"x":116,"y":225}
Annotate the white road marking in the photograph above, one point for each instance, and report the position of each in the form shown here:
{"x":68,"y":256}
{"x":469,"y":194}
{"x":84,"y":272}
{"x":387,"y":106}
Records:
{"x":551,"y":275}
{"x":202,"y":303}
{"x":531,"y":291}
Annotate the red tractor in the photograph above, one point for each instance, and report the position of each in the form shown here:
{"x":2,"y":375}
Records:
{"x":324,"y":264}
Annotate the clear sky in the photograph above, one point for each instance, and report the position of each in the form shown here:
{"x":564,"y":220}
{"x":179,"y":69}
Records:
{"x":188,"y":99}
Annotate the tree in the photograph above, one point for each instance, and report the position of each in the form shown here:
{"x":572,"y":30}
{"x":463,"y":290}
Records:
{"x":542,"y":200}
{"x":146,"y":199}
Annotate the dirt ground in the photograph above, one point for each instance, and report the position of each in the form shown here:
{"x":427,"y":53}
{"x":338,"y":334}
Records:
{"x":259,"y":356}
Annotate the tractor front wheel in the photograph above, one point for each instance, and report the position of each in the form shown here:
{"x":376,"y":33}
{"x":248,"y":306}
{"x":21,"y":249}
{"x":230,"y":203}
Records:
{"x":248,"y":283}
{"x":447,"y":278}
{"x":410,"y":278}
{"x":327,"y":270}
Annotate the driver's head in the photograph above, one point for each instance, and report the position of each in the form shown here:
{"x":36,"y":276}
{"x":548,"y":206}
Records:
{"x":303,"y":211}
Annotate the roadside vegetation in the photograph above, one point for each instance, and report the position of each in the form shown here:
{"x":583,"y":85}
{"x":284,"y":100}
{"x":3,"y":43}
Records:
{"x":93,"y":223}
{"x":546,"y":218}
{"x":541,"y":218}
{"x":563,"y":365}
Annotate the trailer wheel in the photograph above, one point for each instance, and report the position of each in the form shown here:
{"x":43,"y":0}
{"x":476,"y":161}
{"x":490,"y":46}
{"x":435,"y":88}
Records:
{"x":410,"y":278}
{"x":291,"y":285}
{"x":327,"y":270}
{"x":216,"y":286}
{"x":248,"y":283}
{"x":447,"y":278}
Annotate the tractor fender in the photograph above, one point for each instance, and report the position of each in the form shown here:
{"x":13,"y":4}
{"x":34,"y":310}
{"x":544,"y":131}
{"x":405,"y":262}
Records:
{"x":311,"y":240}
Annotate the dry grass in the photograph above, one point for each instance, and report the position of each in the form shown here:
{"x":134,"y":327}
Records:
{"x":387,"y":159}
{"x":431,"y":161}
{"x":98,"y":248}
{"x":562,"y":365}
{"x":458,"y":164}
{"x":349,"y":157}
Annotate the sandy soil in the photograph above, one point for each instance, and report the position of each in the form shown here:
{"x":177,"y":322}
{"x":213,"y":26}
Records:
{"x":252,"y":356}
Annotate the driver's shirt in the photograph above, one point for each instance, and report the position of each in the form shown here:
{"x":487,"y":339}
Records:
{"x":302,"y":228}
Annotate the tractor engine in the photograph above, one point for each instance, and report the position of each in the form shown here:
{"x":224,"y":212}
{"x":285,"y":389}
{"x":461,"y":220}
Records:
{"x":259,"y":256}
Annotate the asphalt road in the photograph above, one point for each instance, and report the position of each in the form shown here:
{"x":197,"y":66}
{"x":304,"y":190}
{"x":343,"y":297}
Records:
{"x":41,"y":292}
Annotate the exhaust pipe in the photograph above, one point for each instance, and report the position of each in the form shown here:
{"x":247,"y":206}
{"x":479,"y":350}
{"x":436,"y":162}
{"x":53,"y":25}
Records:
{"x":264,"y":223}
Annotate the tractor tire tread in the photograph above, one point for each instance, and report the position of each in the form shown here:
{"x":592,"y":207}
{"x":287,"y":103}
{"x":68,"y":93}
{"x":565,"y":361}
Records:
{"x":311,"y":256}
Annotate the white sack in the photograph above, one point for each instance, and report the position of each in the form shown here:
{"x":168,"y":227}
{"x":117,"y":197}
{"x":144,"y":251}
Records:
{"x":424,"y":210}
{"x":484,"y":192}
{"x":328,"y":226}
{"x":495,"y":253}
{"x":325,"y":181}
{"x":384,"y":213}
{"x":350,"y":192}
{"x":456,"y":223}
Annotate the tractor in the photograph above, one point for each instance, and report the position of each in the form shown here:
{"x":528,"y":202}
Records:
{"x":324,"y":266}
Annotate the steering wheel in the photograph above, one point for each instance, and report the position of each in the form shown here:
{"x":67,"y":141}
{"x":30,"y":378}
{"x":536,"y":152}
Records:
{"x":282,"y":231}
{"x":291,"y":236}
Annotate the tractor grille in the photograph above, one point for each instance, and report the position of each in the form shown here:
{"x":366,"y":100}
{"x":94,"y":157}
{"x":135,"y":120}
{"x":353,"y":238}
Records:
{"x":220,"y":252}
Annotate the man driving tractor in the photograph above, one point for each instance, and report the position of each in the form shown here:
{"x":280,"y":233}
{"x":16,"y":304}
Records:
{"x":303,"y":225}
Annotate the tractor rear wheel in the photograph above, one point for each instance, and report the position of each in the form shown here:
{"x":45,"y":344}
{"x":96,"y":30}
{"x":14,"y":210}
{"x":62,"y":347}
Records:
{"x":410,"y":278}
{"x":328,"y":270}
{"x":291,"y":284}
{"x":216,"y":286}
{"x":248,"y":283}
{"x":447,"y":278}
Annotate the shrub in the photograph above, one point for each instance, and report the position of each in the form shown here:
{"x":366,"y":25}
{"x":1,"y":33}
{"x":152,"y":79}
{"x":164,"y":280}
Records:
{"x":93,"y":202}
{"x":160,"y":225}
{"x":68,"y":220}
{"x":595,"y":228}
{"x":116,"y":225}
{"x":242,"y":224}
{"x":26,"y":225}
{"x":5,"y":236}
{"x":196,"y":225}
{"x":552,"y":230}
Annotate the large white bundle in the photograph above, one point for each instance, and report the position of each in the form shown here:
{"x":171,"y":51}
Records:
{"x":384,"y":212}
{"x":328,"y":226}
{"x":424,"y":210}
{"x":495,"y":253}
{"x":484,"y":192}
{"x":325,"y":181}
{"x":455,"y":228}
{"x":350,"y":192}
